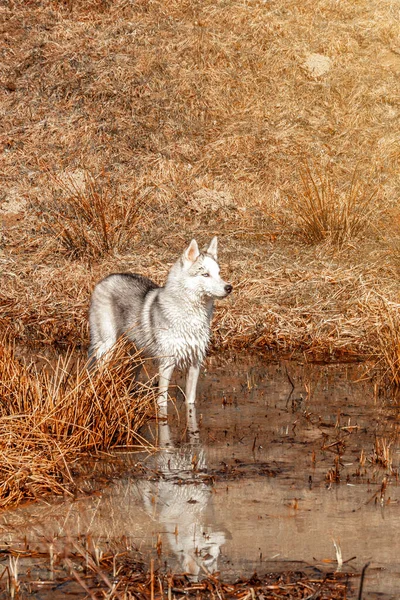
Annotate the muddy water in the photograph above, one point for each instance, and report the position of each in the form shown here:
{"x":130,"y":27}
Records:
{"x":280,"y":463}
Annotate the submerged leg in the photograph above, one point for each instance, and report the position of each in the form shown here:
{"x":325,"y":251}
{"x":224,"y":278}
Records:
{"x":164,"y":435}
{"x":191,"y":383}
{"x":192,"y":426}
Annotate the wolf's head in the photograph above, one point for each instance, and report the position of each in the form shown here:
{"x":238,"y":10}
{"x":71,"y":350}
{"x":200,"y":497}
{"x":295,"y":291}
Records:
{"x":198,"y":272}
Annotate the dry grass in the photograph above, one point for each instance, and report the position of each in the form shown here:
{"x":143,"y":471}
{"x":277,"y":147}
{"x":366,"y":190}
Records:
{"x":86,"y":220}
{"x":122,"y":576}
{"x":325,"y":214}
{"x":385,"y":325}
{"x":116,"y":570}
{"x":49,"y":417}
{"x":192,"y":119}
{"x":382,"y":453}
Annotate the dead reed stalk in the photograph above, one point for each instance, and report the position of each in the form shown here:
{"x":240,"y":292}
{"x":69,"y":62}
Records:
{"x":382,"y":453}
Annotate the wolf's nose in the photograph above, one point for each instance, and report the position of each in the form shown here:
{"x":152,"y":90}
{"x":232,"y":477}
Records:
{"x":228,"y":288}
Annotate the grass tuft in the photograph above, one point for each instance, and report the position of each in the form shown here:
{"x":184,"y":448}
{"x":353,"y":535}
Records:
{"x":87,"y":219}
{"x":325,"y":213}
{"x":385,"y":339}
{"x":49,"y":416}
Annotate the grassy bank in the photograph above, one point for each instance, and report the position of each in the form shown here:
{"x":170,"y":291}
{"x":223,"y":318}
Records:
{"x":129,"y":128}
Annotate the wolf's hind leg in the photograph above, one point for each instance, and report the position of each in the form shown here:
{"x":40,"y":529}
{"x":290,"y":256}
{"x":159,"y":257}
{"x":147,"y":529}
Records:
{"x":135,"y":369}
{"x":104,"y":348}
{"x":103,"y":334}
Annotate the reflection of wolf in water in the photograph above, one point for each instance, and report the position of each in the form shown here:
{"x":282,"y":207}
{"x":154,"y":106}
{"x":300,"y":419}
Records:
{"x":179,"y":500}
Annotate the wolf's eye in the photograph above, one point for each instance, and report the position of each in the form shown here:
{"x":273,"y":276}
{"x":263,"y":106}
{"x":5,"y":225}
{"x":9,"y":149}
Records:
{"x":206,"y":274}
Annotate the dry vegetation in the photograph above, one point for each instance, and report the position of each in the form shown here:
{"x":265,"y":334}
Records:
{"x":118,"y":576}
{"x":129,"y":127}
{"x":49,"y":417}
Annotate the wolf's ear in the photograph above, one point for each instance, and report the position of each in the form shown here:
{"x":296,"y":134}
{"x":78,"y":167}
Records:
{"x":191,"y":252}
{"x":213,"y":247}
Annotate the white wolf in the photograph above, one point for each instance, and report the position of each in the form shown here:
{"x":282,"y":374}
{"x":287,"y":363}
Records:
{"x":170,"y":323}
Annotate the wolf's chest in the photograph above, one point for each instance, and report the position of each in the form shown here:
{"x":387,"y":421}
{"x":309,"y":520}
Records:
{"x":185,"y":342}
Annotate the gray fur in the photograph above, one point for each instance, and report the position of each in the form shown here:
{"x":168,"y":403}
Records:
{"x":169,"y":323}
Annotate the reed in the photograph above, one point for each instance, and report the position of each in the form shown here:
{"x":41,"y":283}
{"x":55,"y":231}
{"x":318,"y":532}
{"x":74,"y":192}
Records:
{"x":104,"y":572}
{"x":86,"y":219}
{"x":49,"y":417}
{"x":385,"y":338}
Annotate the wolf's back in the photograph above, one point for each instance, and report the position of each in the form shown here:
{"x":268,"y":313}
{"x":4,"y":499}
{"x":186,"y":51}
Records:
{"x":117,"y":305}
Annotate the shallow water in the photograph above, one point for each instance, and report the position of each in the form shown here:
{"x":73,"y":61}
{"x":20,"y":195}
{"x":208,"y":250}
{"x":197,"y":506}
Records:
{"x":265,"y":476}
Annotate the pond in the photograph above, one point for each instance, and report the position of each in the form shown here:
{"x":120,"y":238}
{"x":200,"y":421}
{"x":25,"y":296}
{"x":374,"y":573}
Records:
{"x":282,"y":466}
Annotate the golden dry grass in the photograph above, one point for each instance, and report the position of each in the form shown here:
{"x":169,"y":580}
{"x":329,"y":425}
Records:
{"x":49,"y":417}
{"x":324,"y":214}
{"x":86,"y":221}
{"x":181,"y":119}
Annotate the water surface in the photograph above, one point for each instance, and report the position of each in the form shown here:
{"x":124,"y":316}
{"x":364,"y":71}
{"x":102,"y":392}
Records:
{"x":282,"y":466}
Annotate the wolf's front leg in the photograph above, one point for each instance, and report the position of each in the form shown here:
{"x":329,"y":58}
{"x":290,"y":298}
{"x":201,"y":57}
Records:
{"x":191,"y":383}
{"x":192,"y":426}
{"x":164,"y":435}
{"x":163,"y":383}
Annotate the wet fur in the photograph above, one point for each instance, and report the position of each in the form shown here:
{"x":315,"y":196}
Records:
{"x":170,"y":323}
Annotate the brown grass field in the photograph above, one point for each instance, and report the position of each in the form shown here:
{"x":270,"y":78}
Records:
{"x":127,"y":128}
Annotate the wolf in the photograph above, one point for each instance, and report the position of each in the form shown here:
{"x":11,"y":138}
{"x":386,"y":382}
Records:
{"x":170,"y":323}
